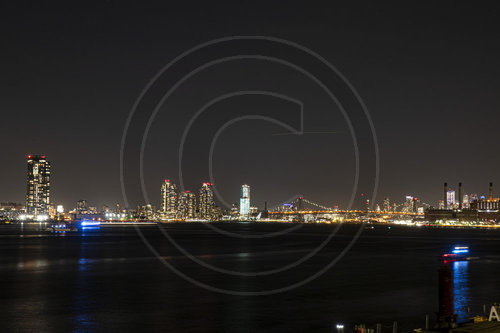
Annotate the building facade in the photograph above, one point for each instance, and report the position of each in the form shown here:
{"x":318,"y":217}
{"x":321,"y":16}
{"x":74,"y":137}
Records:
{"x":38,"y":187}
{"x":245,"y":201}
{"x":206,"y":201}
{"x":169,"y":199}
{"x":186,"y":207}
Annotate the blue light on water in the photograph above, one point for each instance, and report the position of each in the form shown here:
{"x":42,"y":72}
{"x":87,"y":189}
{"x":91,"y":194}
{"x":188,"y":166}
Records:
{"x":460,"y":249}
{"x":90,"y":223}
{"x":461,"y":290}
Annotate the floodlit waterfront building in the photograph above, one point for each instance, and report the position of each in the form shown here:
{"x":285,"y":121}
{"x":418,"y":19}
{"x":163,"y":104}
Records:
{"x":245,"y":201}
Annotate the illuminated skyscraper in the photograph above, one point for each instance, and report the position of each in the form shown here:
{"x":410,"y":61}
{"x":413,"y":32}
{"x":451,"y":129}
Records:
{"x":415,"y":205}
{"x":206,"y":202}
{"x":450,"y":199}
{"x":186,"y":205}
{"x":38,"y":187}
{"x":191,"y":205}
{"x":169,"y":199}
{"x":408,"y":205}
{"x":245,"y":201}
{"x":387,"y":205}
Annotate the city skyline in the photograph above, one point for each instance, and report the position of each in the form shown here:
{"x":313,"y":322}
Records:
{"x":186,"y":205}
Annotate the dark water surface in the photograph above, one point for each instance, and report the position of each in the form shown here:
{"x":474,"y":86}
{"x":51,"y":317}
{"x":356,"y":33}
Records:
{"x":108,"y":280}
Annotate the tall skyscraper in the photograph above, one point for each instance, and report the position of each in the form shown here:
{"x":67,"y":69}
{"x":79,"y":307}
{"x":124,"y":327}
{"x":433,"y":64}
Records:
{"x":38,"y":187}
{"x":408,"y":205}
{"x":245,"y":201}
{"x":186,"y":205}
{"x":191,"y":205}
{"x":415,"y":205}
{"x":206,"y":202}
{"x":450,"y":199}
{"x":169,"y":199}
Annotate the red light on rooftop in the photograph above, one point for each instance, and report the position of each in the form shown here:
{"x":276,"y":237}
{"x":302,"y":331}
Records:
{"x":300,"y":198}
{"x":29,"y":156}
{"x":43,"y":156}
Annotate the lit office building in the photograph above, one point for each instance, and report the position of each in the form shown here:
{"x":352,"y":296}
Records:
{"x":169,"y":198}
{"x":245,"y":201}
{"x":206,"y":201}
{"x":38,"y":187}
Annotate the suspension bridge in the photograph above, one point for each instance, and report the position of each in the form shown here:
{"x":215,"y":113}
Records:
{"x":300,"y":207}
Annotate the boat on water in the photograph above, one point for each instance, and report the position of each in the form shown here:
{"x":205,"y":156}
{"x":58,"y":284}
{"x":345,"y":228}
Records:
{"x":458,"y":253}
{"x":60,"y":228}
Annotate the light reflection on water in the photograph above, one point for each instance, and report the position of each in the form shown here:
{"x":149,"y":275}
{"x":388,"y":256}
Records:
{"x":461,"y":289}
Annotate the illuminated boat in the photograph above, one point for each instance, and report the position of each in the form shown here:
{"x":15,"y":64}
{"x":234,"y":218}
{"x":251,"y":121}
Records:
{"x":59,"y":228}
{"x":458,"y":253}
{"x":90,"y":224}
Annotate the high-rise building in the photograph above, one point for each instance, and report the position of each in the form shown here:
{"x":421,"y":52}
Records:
{"x":408,"y":205}
{"x":206,"y":201}
{"x":415,"y":205}
{"x":450,"y":199}
{"x":81,"y":206}
{"x":169,"y":199}
{"x":245,"y":201}
{"x":191,"y":205}
{"x":387,"y":205}
{"x":38,"y":187}
{"x":186,"y":205}
{"x":466,"y":201}
{"x":441,"y":204}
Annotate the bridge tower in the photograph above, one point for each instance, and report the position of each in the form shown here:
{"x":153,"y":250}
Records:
{"x":300,"y":217}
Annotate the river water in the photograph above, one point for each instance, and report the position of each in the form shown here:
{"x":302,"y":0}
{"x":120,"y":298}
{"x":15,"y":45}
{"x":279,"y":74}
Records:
{"x":113,"y":280}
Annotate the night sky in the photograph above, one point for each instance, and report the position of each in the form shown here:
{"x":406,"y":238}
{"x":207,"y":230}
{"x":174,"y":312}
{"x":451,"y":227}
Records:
{"x":428,"y":74}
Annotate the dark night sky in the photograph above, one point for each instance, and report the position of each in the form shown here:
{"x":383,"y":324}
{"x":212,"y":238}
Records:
{"x":428,"y":74}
